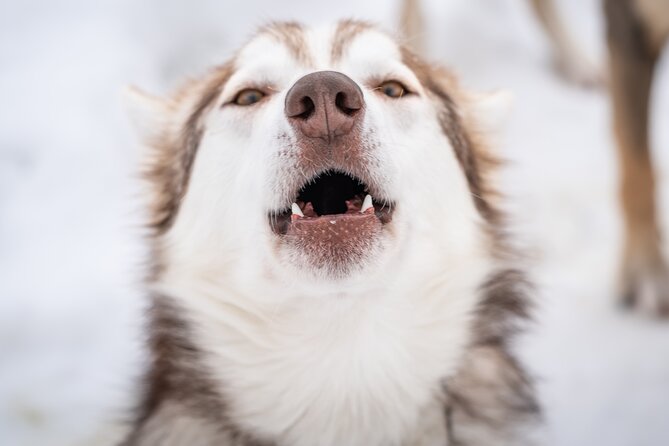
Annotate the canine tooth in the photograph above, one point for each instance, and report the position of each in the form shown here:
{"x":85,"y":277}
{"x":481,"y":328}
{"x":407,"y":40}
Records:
{"x":296,"y":210}
{"x":367,"y":204}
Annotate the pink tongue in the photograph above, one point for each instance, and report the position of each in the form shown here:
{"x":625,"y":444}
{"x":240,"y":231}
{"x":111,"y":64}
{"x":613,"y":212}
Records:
{"x":339,"y":229}
{"x":334,"y":241}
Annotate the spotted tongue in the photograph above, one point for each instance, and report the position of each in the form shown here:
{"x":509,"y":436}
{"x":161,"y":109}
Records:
{"x":335,"y":237}
{"x":334,"y":242}
{"x":336,"y":232}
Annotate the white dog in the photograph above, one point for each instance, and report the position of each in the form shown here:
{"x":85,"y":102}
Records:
{"x":329,"y":267}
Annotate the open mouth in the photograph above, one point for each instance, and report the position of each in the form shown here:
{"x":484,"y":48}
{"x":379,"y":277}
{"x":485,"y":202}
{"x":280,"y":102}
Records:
{"x":330,"y":199}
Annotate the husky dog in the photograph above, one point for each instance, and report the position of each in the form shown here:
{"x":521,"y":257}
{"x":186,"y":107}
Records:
{"x":329,"y":265}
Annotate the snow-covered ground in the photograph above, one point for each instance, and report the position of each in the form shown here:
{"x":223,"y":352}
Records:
{"x":70,"y":232}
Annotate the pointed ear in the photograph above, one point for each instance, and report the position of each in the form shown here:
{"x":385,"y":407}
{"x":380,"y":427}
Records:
{"x":491,"y":111}
{"x":149,"y":114}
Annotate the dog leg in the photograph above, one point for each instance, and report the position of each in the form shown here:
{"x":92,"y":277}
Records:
{"x":644,"y":276}
{"x":571,"y":62}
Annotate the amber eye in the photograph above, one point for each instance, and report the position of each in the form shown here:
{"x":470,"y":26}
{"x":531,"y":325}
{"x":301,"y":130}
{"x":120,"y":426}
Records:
{"x":392,"y":89}
{"x":248,"y":96}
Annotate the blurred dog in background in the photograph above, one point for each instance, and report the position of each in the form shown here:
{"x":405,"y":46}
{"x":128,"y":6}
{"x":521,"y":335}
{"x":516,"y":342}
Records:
{"x":636,"y":32}
{"x":570,"y":61}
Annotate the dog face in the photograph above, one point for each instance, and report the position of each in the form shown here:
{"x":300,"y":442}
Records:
{"x":320,"y":160}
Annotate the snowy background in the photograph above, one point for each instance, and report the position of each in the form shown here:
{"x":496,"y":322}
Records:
{"x":70,"y":232}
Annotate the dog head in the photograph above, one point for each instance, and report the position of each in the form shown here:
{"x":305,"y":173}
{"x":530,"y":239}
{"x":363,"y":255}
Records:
{"x":329,"y":156}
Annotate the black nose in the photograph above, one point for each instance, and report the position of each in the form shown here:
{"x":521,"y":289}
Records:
{"x":324,"y":104}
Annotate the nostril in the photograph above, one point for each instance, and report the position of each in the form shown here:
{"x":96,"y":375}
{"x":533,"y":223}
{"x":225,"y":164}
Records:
{"x":308,"y":107}
{"x":342,"y":103}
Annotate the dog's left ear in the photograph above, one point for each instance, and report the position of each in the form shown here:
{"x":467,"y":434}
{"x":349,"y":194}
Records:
{"x":491,"y":111}
{"x":149,"y":114}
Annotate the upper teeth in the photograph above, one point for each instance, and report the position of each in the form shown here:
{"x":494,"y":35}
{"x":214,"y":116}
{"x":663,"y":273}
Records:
{"x":296,"y":210}
{"x":367,"y":204}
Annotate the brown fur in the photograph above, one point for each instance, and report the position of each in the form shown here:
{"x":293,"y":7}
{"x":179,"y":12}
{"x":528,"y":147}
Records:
{"x":290,"y":35}
{"x":175,"y":153}
{"x":491,"y":400}
{"x":469,"y":145}
{"x":347,"y":31}
{"x":178,"y":385}
{"x":655,"y":16}
{"x":633,"y":56}
{"x":483,"y":407}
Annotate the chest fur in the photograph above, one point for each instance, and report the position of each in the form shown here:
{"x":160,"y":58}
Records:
{"x":365,"y":371}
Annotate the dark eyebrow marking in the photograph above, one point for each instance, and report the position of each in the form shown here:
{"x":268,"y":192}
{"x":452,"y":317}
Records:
{"x":290,"y":34}
{"x":346,"y":32}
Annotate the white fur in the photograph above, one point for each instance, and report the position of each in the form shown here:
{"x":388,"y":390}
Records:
{"x":311,"y":360}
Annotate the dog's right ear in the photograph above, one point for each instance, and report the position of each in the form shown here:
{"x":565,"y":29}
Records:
{"x":149,"y":114}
